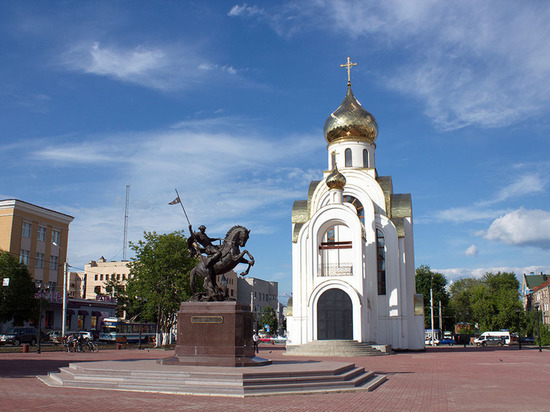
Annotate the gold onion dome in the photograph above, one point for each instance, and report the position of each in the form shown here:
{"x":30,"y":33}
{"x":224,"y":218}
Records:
{"x":350,"y":122}
{"x":336,"y":180}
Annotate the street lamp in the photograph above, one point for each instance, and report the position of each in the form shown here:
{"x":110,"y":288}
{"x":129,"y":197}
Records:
{"x":41,"y":288}
{"x":519,"y":331}
{"x":538,"y":307}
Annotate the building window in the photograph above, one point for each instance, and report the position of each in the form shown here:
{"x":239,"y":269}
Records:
{"x":333,"y":160}
{"x":365,"y":158}
{"x":118,"y":276}
{"x":53,"y":262}
{"x":41,"y":234}
{"x":56,"y":237}
{"x":381,"y":261}
{"x":24,"y":257}
{"x":100,"y":277}
{"x":347,"y":155}
{"x":26,"y":232}
{"x":39,"y":260}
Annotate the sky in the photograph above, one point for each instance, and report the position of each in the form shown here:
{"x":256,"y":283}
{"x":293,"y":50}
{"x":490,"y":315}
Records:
{"x":226,"y":102}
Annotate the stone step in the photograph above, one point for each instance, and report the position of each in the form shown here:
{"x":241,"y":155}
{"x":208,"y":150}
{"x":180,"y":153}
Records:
{"x":344,"y":348}
{"x":280,"y":378}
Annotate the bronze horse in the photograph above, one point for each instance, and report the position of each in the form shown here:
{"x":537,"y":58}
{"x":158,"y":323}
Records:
{"x":231,"y":256}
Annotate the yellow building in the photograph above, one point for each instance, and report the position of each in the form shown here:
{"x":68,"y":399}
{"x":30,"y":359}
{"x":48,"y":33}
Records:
{"x":37,"y":236}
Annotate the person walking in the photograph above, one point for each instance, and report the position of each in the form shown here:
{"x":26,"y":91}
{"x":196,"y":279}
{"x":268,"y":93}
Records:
{"x":256,"y":339}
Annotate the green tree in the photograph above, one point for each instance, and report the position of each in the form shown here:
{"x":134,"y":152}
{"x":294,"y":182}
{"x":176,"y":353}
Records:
{"x":461,"y":299}
{"x":116,"y":289}
{"x":159,"y":278}
{"x":269,"y":317}
{"x":495,"y":300}
{"x":426,"y":279}
{"x":18,"y":302}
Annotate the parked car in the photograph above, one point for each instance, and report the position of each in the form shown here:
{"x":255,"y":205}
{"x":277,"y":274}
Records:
{"x":447,"y":341}
{"x":528,"y":340}
{"x":428,"y":342}
{"x":20,"y":334}
{"x":280,"y":339}
{"x":490,"y":341}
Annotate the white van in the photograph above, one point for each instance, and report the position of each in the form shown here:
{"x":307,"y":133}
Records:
{"x":488,"y":337}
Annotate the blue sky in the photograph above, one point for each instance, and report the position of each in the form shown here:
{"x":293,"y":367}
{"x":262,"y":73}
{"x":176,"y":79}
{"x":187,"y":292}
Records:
{"x":226,"y":102}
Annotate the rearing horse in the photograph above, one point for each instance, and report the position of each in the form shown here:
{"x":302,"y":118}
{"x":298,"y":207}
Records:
{"x":231,"y":256}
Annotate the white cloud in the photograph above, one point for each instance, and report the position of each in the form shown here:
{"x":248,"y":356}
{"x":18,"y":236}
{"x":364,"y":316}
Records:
{"x":220,"y":183}
{"x":466,"y":214}
{"x":166,"y":67}
{"x":522,"y":227}
{"x":453,"y":274}
{"x":245,"y":10}
{"x":473,"y":64}
{"x":471,"y":251}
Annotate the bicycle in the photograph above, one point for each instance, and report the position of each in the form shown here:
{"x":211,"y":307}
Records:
{"x":89,"y":346}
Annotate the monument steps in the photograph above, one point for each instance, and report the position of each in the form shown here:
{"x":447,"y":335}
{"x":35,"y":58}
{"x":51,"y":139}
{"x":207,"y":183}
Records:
{"x":282,"y":377}
{"x":335,"y":348}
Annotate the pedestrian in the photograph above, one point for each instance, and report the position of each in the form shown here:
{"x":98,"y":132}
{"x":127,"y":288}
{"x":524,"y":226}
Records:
{"x":256,"y":339}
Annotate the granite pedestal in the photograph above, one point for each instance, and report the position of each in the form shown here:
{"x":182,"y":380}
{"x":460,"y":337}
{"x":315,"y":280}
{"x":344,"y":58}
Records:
{"x":215,"y":334}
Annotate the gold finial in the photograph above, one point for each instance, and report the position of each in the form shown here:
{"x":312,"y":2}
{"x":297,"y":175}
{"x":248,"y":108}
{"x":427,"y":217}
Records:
{"x":349,"y":65}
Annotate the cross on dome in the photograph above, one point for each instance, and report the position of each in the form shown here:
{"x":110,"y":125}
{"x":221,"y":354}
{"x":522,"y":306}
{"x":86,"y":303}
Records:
{"x":349,"y":65}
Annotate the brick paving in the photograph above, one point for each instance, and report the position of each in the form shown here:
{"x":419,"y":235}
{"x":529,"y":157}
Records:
{"x":439,"y":379}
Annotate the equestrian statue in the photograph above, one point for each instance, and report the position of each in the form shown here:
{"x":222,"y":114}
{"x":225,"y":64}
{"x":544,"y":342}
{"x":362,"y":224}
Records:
{"x":216,"y":260}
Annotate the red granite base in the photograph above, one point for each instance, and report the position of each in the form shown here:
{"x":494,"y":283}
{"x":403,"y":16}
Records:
{"x":215,"y":334}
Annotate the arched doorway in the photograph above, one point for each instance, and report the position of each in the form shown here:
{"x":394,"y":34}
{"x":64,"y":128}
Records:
{"x":334,"y":315}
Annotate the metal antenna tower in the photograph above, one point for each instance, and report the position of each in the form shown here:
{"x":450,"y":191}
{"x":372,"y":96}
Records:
{"x":125,"y":246}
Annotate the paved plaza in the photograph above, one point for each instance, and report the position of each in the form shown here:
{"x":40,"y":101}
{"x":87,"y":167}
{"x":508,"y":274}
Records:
{"x":439,"y":379}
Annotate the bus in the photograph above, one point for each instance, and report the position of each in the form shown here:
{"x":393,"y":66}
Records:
{"x":117,"y":329}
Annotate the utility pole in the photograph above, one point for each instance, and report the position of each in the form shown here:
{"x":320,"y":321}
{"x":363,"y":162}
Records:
{"x":432,"y":315}
{"x":440,"y":319}
{"x":125,"y":245}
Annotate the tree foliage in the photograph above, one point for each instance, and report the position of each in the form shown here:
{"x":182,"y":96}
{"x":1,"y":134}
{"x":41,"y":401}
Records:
{"x":18,"y":302}
{"x":116,"y":289}
{"x":491,"y":303}
{"x":269,"y":317}
{"x":426,"y":279}
{"x":159,"y":278}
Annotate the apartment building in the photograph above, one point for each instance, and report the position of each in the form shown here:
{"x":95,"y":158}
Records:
{"x":258,"y":293}
{"x":37,"y":236}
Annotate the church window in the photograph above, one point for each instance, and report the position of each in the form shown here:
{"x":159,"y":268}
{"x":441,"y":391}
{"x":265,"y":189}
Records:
{"x":358,"y":206}
{"x":381,"y":261}
{"x":347,"y":155}
{"x":333,"y":160}
{"x":365,"y":158}
{"x":330,"y":235}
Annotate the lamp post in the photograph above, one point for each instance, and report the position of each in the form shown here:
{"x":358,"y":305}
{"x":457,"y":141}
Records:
{"x":64,"y":310}
{"x":537,"y":307}
{"x":519,"y":331}
{"x":40,"y":286}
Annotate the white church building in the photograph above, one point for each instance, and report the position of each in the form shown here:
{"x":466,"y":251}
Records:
{"x":353,"y":267}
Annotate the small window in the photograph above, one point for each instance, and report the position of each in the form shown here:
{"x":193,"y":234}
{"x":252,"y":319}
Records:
{"x":41,"y":234}
{"x":26,"y":229}
{"x":347,"y":155}
{"x":24,"y":257}
{"x":39,"y":260}
{"x":56,"y":237}
{"x":95,"y":277}
{"x":101,"y":277}
{"x":53,"y":262}
{"x":333,"y":160}
{"x":365,"y":158}
{"x":381,"y":261}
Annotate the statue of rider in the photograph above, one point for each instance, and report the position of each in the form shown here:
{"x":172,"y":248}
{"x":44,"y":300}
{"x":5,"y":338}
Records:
{"x":212,"y":252}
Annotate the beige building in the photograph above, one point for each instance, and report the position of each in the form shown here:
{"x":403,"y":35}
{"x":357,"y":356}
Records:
{"x":97,"y":273}
{"x":37,"y":236}
{"x":541,"y":301}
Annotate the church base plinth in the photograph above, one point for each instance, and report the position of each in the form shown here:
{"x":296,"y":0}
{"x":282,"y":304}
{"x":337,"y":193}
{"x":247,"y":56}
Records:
{"x":215,"y":334}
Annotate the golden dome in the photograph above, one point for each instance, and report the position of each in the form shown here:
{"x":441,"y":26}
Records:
{"x":336,"y":180}
{"x":351,"y":122}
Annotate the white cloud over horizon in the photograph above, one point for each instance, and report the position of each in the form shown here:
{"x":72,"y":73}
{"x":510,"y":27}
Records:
{"x":473,"y":70}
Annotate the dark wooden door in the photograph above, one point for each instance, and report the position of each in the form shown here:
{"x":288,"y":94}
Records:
{"x":334,"y":315}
